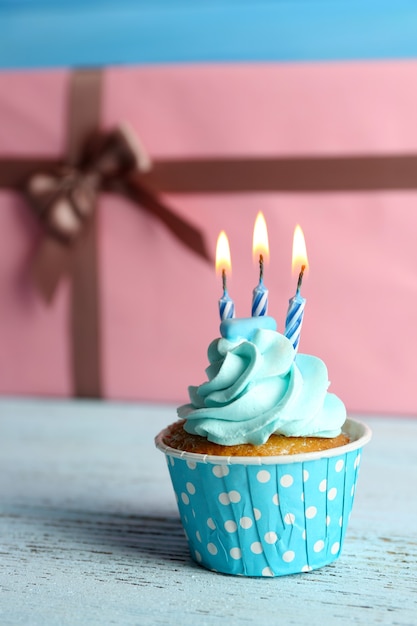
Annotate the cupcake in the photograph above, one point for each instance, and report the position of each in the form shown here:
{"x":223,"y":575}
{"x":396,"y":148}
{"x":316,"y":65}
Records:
{"x":263,"y":460}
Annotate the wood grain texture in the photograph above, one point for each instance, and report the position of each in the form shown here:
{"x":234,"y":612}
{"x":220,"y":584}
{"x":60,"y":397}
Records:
{"x":89,"y":531}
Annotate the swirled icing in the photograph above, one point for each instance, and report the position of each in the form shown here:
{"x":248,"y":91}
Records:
{"x":257,"y":386}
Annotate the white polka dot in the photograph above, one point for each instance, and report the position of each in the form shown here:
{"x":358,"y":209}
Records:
{"x":275,"y":499}
{"x":185,"y":498}
{"x":191,"y":465}
{"x":335,"y":548}
{"x":289,"y":518}
{"x":236,"y":553}
{"x":352,"y":491}
{"x":186,"y":534}
{"x":220,"y":470}
{"x":341,"y":521}
{"x":190,"y":488}
{"x":230,"y":526}
{"x":171,"y":460}
{"x":193,"y":512}
{"x":332,"y":493}
{"x":267,"y":571}
{"x":306,"y":475}
{"x":318,"y":546}
{"x":212,"y":548}
{"x":323,"y":485}
{"x":306,"y":568}
{"x":197,"y":534}
{"x":303,"y":534}
{"x":357,"y":461}
{"x":286,"y":480}
{"x":211,"y":524}
{"x":327,"y":520}
{"x":288,"y":556}
{"x":257,"y":514}
{"x":197,"y":556}
{"x":224,"y":498}
{"x":185,"y":519}
{"x":339,"y":465}
{"x":245,"y":522}
{"x":256,"y":547}
{"x":234,"y":496}
{"x":271,"y":537}
{"x":302,"y":497}
{"x":311,"y":512}
{"x":263,"y":476}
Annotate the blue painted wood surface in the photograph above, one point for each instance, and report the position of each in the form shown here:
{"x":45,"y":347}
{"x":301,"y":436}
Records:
{"x":90,"y":534}
{"x":47,"y":33}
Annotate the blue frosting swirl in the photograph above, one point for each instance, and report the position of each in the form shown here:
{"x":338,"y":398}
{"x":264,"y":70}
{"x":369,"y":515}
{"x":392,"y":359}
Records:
{"x":257,"y":386}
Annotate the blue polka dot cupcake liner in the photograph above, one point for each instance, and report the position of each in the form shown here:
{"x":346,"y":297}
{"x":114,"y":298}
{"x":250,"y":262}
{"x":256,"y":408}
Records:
{"x":266,"y":516}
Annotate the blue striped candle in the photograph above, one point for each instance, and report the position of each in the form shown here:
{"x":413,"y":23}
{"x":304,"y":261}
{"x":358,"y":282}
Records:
{"x":260,"y":294}
{"x":295,"y":313}
{"x":226,"y":307}
{"x":226,"y":304}
{"x":260,"y":300}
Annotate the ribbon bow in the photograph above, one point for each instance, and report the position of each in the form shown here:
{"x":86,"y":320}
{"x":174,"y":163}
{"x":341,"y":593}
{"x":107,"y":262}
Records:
{"x":64,"y":199}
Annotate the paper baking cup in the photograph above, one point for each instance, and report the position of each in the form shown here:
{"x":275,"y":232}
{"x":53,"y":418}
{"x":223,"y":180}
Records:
{"x":266,"y":516}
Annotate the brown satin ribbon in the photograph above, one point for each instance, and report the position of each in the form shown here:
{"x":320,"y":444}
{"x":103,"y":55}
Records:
{"x":233,"y":175}
{"x":285,"y":174}
{"x":85,"y":331}
{"x":80,"y":260}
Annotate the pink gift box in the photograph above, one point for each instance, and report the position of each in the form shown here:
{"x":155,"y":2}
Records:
{"x":158,"y":300}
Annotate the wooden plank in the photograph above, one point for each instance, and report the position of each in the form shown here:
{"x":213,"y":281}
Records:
{"x":89,"y":531}
{"x":85,"y":34}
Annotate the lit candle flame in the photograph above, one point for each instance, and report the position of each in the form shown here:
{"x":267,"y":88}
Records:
{"x":299,"y":252}
{"x":260,"y":246}
{"x":223,"y":261}
{"x":224,"y":265}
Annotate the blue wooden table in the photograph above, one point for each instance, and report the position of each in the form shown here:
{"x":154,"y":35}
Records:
{"x":89,"y":530}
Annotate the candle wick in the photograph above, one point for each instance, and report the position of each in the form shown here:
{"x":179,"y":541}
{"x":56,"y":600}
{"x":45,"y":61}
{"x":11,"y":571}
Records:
{"x":224,"y":280}
{"x":261,"y":268}
{"x":300,"y":278}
